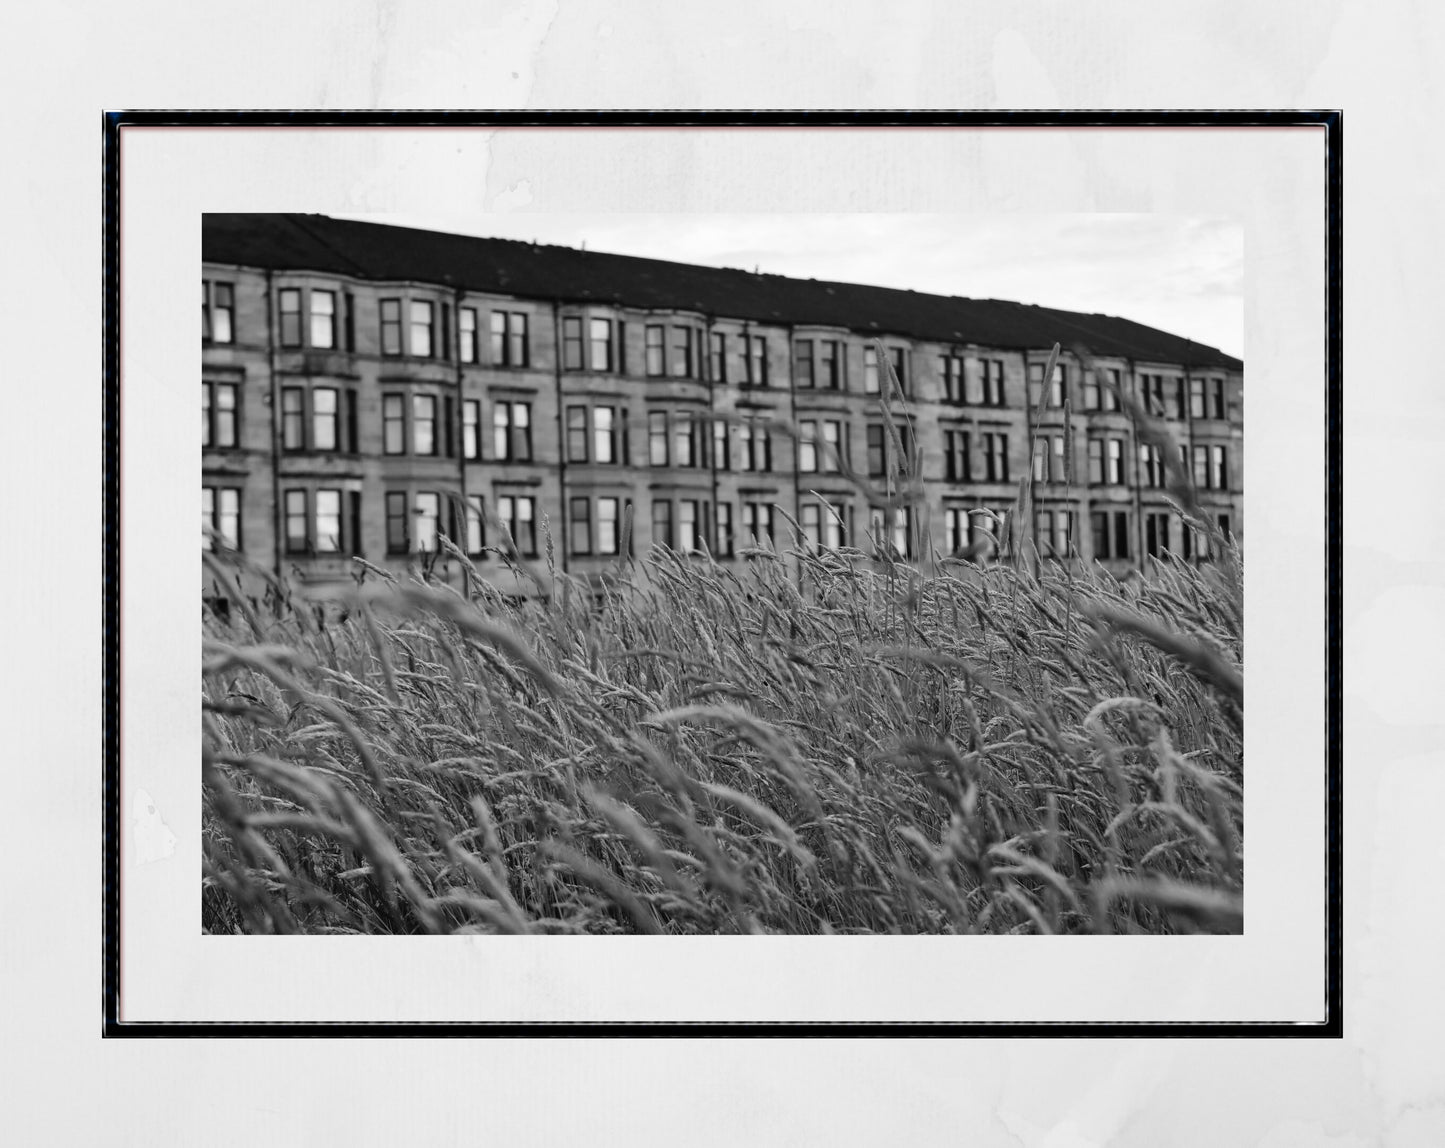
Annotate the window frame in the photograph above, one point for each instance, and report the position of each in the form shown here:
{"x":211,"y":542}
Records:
{"x":808,"y":446}
{"x":214,"y":513}
{"x":471,"y":429}
{"x":313,"y":314}
{"x":578,"y":439}
{"x":616,"y":523}
{"x":579,"y":518}
{"x":212,"y":307}
{"x":290,"y":322}
{"x":331,"y":420}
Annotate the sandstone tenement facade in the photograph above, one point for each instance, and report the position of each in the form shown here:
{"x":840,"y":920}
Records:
{"x":367,"y":387}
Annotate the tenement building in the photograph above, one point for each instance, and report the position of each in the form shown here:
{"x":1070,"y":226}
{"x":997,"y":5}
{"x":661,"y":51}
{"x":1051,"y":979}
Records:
{"x":367,"y":389}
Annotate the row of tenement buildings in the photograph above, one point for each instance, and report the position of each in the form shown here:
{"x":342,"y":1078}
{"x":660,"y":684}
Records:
{"x":366,"y":388}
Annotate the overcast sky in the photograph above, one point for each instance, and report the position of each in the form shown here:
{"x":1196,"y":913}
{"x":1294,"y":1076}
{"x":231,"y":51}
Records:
{"x":1181,"y":274}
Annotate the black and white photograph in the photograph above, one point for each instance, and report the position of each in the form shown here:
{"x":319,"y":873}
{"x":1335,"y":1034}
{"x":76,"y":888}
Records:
{"x":812,"y":574}
{"x":727,"y":545}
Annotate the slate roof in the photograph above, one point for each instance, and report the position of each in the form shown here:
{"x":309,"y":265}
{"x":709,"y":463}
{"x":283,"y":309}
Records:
{"x":537,"y":271}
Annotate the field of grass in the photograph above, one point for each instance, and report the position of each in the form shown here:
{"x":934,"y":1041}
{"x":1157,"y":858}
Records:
{"x":812,"y":743}
{"x":855,"y":750}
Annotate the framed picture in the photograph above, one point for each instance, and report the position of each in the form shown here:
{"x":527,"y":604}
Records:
{"x":718,"y":574}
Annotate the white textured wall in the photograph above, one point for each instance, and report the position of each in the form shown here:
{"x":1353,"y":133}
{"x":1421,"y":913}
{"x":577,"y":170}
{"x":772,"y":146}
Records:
{"x":1378,"y":60}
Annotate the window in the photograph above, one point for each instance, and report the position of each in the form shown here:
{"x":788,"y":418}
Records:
{"x":1111,"y":388}
{"x":758,"y":523}
{"x":655,"y":337}
{"x":724,"y":547}
{"x":580,"y":517}
{"x":809,"y":517}
{"x":323,"y":320}
{"x":1049,"y":458}
{"x":518,"y":515}
{"x":296,"y":522}
{"x":682,"y":342}
{"x":391,"y":326}
{"x":476,"y":524}
{"x":328,"y":521}
{"x":657,"y":438}
{"x":348,"y":319}
{"x":1054,"y":531}
{"x":1224,"y":525}
{"x":718,"y":365}
{"x":324,"y":419}
{"x":1106,"y":461}
{"x":803,"y":362}
{"x":898,"y":357}
{"x":571,"y":343}
{"x":422,"y":316}
{"x":512,"y":431}
{"x":576,"y":434}
{"x":427,"y":508}
{"x":956,"y":466}
{"x":1218,"y":470}
{"x":689,"y":446}
{"x":983,"y":527}
{"x":289,"y":305}
{"x":870,"y":370}
{"x":835,"y":446}
{"x":509,"y":339}
{"x":1220,"y":409}
{"x":600,"y":342}
{"x":995,"y":456}
{"x":830,"y":365}
{"x":902,"y":540}
{"x":1201,"y":467}
{"x":218,"y":415}
{"x":604,"y":433}
{"x":661,"y":522}
{"x":607,"y":537}
{"x":397,"y":534}
{"x":722,"y":454}
{"x":689,"y":537}
{"x":951,"y":370}
{"x":393,"y":424}
{"x":1091,"y":391}
{"x":877,"y":454}
{"x":757,"y":447}
{"x":1111,"y":533}
{"x":471,"y":429}
{"x":1115,"y":461}
{"x":835,"y":523}
{"x":1156,"y":535}
{"x":1151,"y":465}
{"x":1196,"y":399}
{"x":808,"y":446}
{"x":221,"y":513}
{"x":757,"y":360}
{"x":955,"y":529}
{"x":467,"y":333}
{"x":218,"y":311}
{"x":1193,"y":542}
{"x":993,"y":395}
{"x":424,"y":424}
{"x":1151,"y":389}
{"x":293,"y":418}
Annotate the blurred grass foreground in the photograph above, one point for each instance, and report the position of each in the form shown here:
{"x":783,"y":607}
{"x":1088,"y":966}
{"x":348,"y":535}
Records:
{"x":820,"y":743}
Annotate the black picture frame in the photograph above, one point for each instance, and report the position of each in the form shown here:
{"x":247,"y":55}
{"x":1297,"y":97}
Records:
{"x":113,"y":122}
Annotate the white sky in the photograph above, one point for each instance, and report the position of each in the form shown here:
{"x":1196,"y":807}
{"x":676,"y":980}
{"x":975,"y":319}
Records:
{"x":1180,"y":274}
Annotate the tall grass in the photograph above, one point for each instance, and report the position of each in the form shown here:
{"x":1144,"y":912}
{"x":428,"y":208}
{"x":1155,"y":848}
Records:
{"x":694,"y":749}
